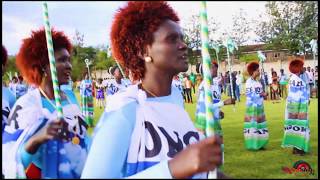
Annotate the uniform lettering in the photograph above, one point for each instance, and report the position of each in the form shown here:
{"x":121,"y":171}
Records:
{"x":6,"y":112}
{"x":156,"y":141}
{"x":174,"y":147}
{"x":215,"y":95}
{"x":175,"y":144}
{"x":187,"y":137}
{"x":14,"y":117}
{"x":257,"y":90}
{"x":246,"y":131}
{"x":248,"y":90}
{"x":296,"y":128}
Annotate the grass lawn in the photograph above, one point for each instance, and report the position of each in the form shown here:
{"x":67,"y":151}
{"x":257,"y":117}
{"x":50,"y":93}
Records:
{"x":241,"y":163}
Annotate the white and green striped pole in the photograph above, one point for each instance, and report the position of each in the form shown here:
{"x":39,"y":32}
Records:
{"x":206,"y":61}
{"x":53,"y":69}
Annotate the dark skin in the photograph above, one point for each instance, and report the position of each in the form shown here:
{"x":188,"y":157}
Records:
{"x":117,"y":75}
{"x":169,"y":57}
{"x":50,"y":131}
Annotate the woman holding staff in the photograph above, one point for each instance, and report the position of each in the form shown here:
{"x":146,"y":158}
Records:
{"x":297,"y":130}
{"x":137,"y":126}
{"x":256,"y":133}
{"x":33,"y":121}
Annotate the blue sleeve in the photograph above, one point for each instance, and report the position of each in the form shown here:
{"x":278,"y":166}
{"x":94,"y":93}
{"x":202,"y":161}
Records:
{"x":28,"y":158}
{"x":110,"y":144}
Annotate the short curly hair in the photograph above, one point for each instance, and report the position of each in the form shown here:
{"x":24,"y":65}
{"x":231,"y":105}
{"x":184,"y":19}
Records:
{"x":295,"y":66}
{"x":252,"y":67}
{"x":214,"y":63}
{"x":4,"y":56}
{"x":33,"y":54}
{"x":132,"y":30}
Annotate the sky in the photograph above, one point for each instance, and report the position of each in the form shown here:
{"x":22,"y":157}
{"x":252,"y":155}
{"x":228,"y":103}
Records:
{"x":93,"y":18}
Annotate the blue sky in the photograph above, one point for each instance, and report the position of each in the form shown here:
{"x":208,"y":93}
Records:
{"x":93,"y":19}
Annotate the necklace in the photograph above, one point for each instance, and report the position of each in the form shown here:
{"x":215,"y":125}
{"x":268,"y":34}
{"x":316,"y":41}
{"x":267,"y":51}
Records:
{"x":45,"y":95}
{"x":148,"y":91}
{"x":75,"y":139}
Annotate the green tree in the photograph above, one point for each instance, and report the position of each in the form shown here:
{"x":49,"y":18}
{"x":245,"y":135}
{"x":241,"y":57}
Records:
{"x":192,"y":33}
{"x":10,"y":68}
{"x":248,"y":57}
{"x":291,"y":25}
{"x":241,"y":28}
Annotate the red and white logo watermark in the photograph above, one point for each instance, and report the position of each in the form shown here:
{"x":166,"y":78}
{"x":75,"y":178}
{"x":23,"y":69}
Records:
{"x":299,"y":168}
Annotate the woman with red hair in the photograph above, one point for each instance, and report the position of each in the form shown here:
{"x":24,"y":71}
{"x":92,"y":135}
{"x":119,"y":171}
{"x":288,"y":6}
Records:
{"x":145,"y":131}
{"x":45,"y":147}
{"x":255,"y":126}
{"x":296,"y":125}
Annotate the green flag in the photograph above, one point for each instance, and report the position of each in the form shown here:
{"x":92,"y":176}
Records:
{"x":261,"y":56}
{"x":231,"y":45}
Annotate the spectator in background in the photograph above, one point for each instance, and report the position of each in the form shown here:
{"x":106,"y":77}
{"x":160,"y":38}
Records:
{"x":316,"y":76}
{"x":193,"y":80}
{"x":240,"y":81}
{"x":238,"y":85}
{"x":311,"y":79}
{"x":222,"y":84}
{"x":270,"y":83}
{"x":100,"y":99}
{"x":199,"y":79}
{"x":21,"y":87}
{"x":13,"y":86}
{"x":283,"y":84}
{"x":188,"y":84}
{"x":227,"y":84}
{"x":264,"y":82}
{"x":275,"y":91}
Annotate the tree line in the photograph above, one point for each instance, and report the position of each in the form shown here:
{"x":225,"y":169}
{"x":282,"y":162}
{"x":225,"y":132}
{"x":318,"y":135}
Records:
{"x":289,"y":25}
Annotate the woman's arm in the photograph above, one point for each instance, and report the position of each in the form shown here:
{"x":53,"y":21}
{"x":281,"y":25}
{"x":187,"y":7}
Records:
{"x":110,"y":144}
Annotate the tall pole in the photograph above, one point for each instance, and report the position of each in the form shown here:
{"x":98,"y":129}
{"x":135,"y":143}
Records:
{"x":206,"y":61}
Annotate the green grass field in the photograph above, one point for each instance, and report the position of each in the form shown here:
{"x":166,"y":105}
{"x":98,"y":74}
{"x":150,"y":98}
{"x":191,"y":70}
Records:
{"x":241,"y":163}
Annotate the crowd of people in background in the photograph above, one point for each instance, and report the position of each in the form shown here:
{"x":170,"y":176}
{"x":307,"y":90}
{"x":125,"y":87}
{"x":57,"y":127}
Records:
{"x":274,"y":83}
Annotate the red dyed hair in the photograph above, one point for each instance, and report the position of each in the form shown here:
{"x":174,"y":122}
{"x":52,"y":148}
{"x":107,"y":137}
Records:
{"x":132,"y":30}
{"x":32,"y":57}
{"x":295,"y":66}
{"x":4,"y":56}
{"x":252,"y":67}
{"x":214,"y":62}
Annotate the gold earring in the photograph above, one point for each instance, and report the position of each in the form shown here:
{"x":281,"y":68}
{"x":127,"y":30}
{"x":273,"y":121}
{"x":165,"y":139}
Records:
{"x":148,"y":59}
